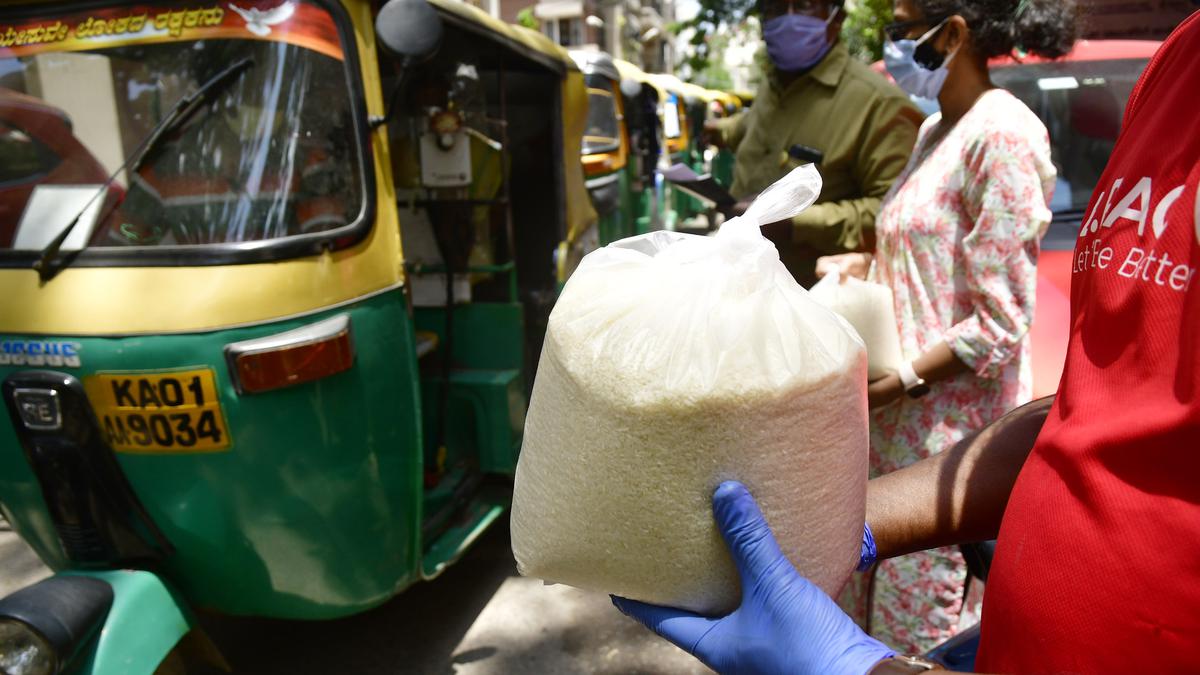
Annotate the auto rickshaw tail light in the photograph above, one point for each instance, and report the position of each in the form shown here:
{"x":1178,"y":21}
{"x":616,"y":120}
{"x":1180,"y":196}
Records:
{"x":295,"y":357}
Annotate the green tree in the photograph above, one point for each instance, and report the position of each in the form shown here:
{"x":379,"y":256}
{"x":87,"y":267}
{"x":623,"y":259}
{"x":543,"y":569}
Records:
{"x":708,"y":21}
{"x":863,"y":30}
{"x":526,"y":18}
{"x":715,"y":76}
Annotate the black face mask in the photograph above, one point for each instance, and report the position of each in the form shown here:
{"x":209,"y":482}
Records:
{"x":926,"y":55}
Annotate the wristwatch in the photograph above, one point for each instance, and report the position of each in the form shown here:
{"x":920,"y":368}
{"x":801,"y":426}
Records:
{"x":914,"y":386}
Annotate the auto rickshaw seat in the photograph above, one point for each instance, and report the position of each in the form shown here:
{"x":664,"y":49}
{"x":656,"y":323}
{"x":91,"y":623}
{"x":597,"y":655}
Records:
{"x":490,"y":396}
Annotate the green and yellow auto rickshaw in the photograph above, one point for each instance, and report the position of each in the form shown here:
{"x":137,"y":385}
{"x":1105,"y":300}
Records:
{"x":606,"y":148}
{"x":270,"y":297}
{"x":699,"y":104}
{"x":745,"y":97}
{"x":641,"y":103}
{"x":678,"y":148}
{"x":702,"y":105}
{"x":721,"y":160}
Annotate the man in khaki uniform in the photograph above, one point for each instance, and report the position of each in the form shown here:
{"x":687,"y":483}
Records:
{"x":817,"y":95}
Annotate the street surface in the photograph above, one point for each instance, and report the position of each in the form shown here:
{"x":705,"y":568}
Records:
{"x":19,"y":567}
{"x":479,"y":618}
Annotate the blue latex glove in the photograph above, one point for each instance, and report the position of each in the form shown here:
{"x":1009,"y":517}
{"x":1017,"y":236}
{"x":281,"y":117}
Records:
{"x":869,"y":553}
{"x":785,"y":624}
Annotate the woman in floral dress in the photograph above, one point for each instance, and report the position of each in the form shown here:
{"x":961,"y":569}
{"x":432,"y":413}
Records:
{"x":957,"y":242}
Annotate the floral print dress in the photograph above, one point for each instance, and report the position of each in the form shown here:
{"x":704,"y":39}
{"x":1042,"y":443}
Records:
{"x":958,"y":242}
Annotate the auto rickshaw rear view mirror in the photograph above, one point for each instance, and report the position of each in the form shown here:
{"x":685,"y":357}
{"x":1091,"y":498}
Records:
{"x":410,"y":29}
{"x":302,"y":355}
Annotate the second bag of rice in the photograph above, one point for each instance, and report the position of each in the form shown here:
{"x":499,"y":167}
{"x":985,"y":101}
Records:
{"x":870,"y":309}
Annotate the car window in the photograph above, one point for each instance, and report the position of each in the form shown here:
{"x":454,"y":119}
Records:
{"x":1082,"y":104}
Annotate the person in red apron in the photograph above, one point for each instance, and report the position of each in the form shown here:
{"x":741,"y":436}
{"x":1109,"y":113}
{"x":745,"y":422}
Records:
{"x":1095,"y":495}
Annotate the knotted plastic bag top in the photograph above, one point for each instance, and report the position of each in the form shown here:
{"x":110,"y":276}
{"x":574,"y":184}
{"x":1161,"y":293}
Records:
{"x":666,"y":312}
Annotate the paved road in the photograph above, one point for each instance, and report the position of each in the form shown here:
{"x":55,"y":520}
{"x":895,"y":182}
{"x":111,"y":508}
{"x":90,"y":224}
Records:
{"x":479,"y":618}
{"x":19,"y":567}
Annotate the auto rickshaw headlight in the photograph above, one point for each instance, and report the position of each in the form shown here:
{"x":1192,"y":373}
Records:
{"x":43,"y":627}
{"x":23,"y":651}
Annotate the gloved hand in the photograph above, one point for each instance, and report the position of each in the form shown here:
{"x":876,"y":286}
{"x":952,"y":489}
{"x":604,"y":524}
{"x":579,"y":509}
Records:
{"x":868,"y":553}
{"x":785,"y":624}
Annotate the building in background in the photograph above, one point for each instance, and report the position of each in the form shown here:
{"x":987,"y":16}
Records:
{"x":634,"y":30}
{"x":637,"y":30}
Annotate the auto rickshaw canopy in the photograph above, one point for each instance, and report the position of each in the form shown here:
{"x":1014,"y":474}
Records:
{"x":746,"y":97}
{"x":596,"y":63}
{"x":695,"y":91}
{"x":629,"y":71}
{"x":668,"y":83}
{"x":606,"y":146}
{"x":732,"y":102}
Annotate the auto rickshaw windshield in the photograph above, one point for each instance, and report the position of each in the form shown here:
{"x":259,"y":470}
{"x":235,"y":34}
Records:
{"x":603,"y":133}
{"x":273,"y":154}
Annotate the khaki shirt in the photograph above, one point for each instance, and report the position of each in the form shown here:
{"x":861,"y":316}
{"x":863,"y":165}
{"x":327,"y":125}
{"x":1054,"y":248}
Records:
{"x":865,"y":126}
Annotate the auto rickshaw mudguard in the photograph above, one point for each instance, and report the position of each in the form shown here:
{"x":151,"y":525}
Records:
{"x":147,"y":619}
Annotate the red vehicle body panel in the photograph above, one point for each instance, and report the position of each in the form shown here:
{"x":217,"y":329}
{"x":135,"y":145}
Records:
{"x":1091,"y":50}
{"x":50,"y":127}
{"x":1051,"y":321}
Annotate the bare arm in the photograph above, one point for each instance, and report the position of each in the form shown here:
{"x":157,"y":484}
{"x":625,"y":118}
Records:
{"x":937,"y":364}
{"x":956,"y":496}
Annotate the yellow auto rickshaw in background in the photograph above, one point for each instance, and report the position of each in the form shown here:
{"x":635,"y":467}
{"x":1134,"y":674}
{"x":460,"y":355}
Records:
{"x":721,"y":160}
{"x":703,"y":105}
{"x":609,"y":162}
{"x":642,"y":101}
{"x":678,"y":208}
{"x":731,"y":104}
{"x":700,"y":105}
{"x":493,"y":108}
{"x":273,"y":284}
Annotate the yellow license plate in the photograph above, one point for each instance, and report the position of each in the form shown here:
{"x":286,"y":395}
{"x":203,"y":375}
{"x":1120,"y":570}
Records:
{"x":159,"y":412}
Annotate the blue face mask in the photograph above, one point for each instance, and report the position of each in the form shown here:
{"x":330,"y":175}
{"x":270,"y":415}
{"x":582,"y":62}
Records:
{"x":919,"y":74}
{"x":797,"y":42}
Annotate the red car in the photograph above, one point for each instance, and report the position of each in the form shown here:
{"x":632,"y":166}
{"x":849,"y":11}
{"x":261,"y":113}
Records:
{"x":1081,"y":99}
{"x":38,"y":148}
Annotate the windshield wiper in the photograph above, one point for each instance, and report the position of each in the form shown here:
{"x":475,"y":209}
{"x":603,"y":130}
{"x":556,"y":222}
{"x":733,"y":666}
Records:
{"x":180,"y":112}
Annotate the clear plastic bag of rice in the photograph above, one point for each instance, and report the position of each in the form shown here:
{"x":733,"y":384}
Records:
{"x":672,"y":363}
{"x":870,"y":309}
